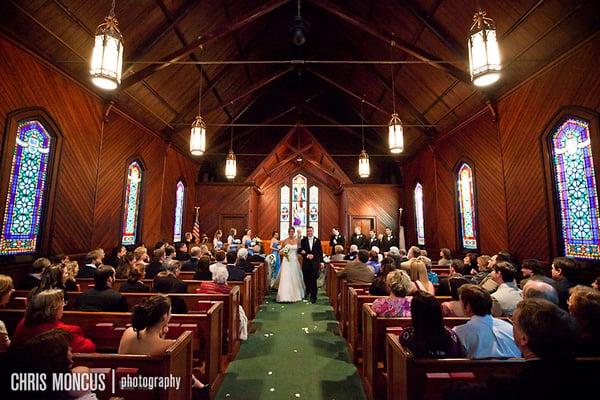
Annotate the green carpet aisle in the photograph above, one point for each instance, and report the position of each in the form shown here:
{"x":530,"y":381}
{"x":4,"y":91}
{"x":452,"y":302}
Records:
{"x":293,"y":354}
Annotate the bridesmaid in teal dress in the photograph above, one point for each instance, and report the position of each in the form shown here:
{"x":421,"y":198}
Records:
{"x":275,"y":251}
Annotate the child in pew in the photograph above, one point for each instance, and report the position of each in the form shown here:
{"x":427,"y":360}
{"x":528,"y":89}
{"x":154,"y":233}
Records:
{"x":46,"y":353}
{"x":149,"y":325}
{"x":43,"y":313}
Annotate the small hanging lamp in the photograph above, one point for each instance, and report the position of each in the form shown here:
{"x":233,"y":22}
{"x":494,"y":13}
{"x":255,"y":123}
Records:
{"x":484,"y":54}
{"x":364,"y":169}
{"x":395,"y":129}
{"x":198,"y":131}
{"x":106,"y":64}
{"x":230,"y":161}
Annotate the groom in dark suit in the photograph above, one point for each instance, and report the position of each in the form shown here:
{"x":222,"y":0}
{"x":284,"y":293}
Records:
{"x":312,"y":257}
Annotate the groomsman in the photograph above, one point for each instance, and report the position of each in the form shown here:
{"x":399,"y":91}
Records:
{"x":336,"y":238}
{"x":359,"y":239}
{"x":373,"y":241}
{"x":388,"y":240}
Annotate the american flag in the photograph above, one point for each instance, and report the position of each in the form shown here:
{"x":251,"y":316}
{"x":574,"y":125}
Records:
{"x":196,"y":228}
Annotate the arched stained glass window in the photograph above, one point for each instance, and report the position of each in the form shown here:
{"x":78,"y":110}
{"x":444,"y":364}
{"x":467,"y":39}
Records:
{"x":27,"y":188}
{"x":299,"y":207}
{"x":419,"y":220}
{"x":299,"y":202}
{"x":131,"y":211}
{"x":575,"y":188}
{"x":466,"y":207}
{"x":284,"y":211}
{"x":313,"y":214}
{"x":179,"y":197}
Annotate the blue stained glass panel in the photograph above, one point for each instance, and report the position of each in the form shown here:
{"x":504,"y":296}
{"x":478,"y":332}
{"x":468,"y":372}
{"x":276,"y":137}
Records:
{"x":179,"y":197}
{"x":419,"y":218}
{"x":132,"y":204}
{"x":466,"y":201}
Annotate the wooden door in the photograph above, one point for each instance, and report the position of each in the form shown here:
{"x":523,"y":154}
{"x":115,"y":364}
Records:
{"x":366,"y":223}
{"x":237,"y":221}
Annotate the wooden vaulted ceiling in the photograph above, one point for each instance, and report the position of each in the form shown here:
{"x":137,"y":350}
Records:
{"x":433,"y":90}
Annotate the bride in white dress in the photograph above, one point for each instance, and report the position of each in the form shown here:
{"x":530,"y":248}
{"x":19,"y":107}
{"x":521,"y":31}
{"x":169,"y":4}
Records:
{"x":290,"y":282}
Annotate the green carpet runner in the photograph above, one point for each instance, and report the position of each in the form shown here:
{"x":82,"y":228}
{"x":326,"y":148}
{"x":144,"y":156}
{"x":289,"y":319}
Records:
{"x":293,"y":354}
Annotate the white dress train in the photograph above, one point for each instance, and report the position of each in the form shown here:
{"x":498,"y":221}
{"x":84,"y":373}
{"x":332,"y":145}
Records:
{"x":290,"y":281}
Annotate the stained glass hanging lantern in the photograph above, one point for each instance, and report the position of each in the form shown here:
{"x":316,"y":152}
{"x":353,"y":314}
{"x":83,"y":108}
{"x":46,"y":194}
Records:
{"x":107,"y":57}
{"x":364,"y":169}
{"x":396,"y":135}
{"x":230,"y":165}
{"x":198,"y":137}
{"x":484,"y":54}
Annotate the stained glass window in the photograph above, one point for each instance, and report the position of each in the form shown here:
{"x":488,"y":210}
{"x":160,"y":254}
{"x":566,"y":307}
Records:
{"x":313,"y":215}
{"x":420,"y":223}
{"x":466,"y":203}
{"x":299,"y":206}
{"x":131,"y":210}
{"x":179,"y":196}
{"x":27,"y":187}
{"x":575,"y":186}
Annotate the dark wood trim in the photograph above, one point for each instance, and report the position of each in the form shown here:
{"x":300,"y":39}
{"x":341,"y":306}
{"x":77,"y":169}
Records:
{"x":46,"y":225}
{"x":459,"y":243}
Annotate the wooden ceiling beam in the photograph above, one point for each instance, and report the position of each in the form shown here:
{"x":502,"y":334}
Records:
{"x":236,"y":40}
{"x":391,"y":39}
{"x":216,"y":34}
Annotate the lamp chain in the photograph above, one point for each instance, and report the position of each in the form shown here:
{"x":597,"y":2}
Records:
{"x":362,"y":124}
{"x":393,"y":85}
{"x":112,"y":9}
{"x":200,"y":90}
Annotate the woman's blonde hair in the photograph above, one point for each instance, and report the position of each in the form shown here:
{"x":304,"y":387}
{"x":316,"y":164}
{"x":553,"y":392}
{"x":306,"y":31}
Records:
{"x":6,"y":285}
{"x":43,"y":307}
{"x":418,"y":271}
{"x":399,"y":283}
{"x":71,"y":266}
{"x":339,"y":249}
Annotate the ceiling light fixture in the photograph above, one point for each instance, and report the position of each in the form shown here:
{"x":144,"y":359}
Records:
{"x":198,"y":130}
{"x":299,"y":28}
{"x":106,"y":64}
{"x":364,"y":169}
{"x":484,"y":54}
{"x":395,"y":129}
{"x":230,"y":161}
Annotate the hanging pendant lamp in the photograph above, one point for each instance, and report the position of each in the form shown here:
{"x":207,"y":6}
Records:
{"x":484,"y":54}
{"x":395,"y":129}
{"x":230,"y":161}
{"x":364,"y":169}
{"x":198,"y":130}
{"x":106,"y":64}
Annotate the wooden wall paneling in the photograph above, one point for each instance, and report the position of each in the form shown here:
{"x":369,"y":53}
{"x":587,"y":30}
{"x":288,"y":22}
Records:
{"x":215,"y":199}
{"x":380,"y":200}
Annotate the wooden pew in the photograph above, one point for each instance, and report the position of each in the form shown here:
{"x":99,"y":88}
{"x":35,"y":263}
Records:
{"x":207,"y":327}
{"x":331,"y":269}
{"x":357,"y":296}
{"x":176,"y":361}
{"x":344,"y":302}
{"x":373,"y":347}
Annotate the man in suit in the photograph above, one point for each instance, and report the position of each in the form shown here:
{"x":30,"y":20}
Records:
{"x":102,"y":297}
{"x":352,"y":253}
{"x":256,"y":256}
{"x":312,"y":257}
{"x":157,"y":263}
{"x":93,"y":260}
{"x":358,"y":272}
{"x":336,"y":239}
{"x":181,"y":251}
{"x":242,"y":261}
{"x":373,"y":241}
{"x":413,"y":253}
{"x":389,"y":240}
{"x":34,"y":278}
{"x":192,"y":264}
{"x":235,"y":273}
{"x":359,"y":239}
{"x":174,"y":266}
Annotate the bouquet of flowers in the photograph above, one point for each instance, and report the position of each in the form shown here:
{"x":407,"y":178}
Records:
{"x":257,"y":241}
{"x":285,"y":252}
{"x":326,"y":259}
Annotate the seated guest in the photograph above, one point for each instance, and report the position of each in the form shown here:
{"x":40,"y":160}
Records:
{"x":379,"y":285}
{"x":149,"y":326}
{"x":508,"y":295}
{"x":413,"y":253}
{"x":564,"y":270}
{"x":533,"y":270}
{"x":169,"y":252}
{"x":53,"y":277}
{"x":398,"y":302}
{"x":141,"y":254}
{"x":584,"y":306}
{"x":488,"y":283}
{"x":163,"y":284}
{"x":471,"y":266}
{"x":205,"y":251}
{"x":358,"y":272}
{"x":256,"y":256}
{"x":428,"y":337}
{"x":433,"y":277}
{"x":483,"y":270}
{"x":102,"y":297}
{"x":539,"y":289}
{"x":72,"y":271}
{"x":242,"y":261}
{"x":32,"y":279}
{"x":394,"y":253}
{"x":6,"y":290}
{"x":218,"y":284}
{"x":418,"y":274}
{"x":93,"y":260}
{"x":339,"y":253}
{"x":484,"y":336}
{"x":134,"y":282}
{"x":352,"y":254}
{"x":43,"y":313}
{"x":203,"y":270}
{"x":181,"y":252}
{"x":116,"y":256}
{"x":457,"y":267}
{"x":127,"y":264}
{"x":174,"y":267}
{"x":192,"y":263}
{"x":596,"y":283}
{"x":454,"y":308}
{"x":373,"y":261}
{"x":157,"y":264}
{"x":236,"y":274}
{"x":445,"y":257}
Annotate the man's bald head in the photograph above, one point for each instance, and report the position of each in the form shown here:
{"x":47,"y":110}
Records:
{"x":539,"y":289}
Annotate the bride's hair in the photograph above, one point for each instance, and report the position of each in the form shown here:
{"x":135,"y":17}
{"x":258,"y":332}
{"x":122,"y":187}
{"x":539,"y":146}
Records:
{"x":292,"y":229}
